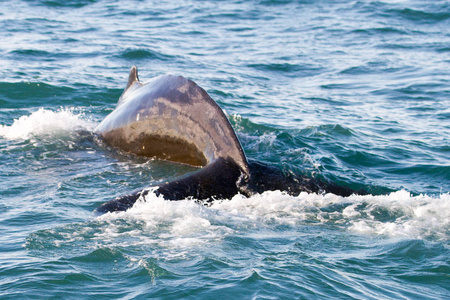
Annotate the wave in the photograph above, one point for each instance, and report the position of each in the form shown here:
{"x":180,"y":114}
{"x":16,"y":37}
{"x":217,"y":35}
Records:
{"x":178,"y":226}
{"x":132,"y":54}
{"x":288,"y":69}
{"x":65,"y":3}
{"x":395,"y":215}
{"x":45,"y":122}
{"x":28,"y":94}
{"x":272,"y":238}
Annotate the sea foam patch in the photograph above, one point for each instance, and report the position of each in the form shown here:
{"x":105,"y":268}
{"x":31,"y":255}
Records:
{"x":45,"y":122}
{"x":179,"y":224}
{"x":398,"y":214}
{"x":180,"y":229}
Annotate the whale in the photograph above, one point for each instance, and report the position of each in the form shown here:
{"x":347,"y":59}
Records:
{"x":172,"y":118}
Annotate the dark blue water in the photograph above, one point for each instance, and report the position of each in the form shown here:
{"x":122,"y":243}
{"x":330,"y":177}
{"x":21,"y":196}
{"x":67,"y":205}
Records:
{"x":354,"y":91}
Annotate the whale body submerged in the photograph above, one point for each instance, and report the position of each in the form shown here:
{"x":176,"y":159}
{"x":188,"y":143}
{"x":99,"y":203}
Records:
{"x":172,"y":118}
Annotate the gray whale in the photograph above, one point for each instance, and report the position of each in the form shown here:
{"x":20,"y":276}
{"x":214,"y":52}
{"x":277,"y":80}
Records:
{"x":172,"y":118}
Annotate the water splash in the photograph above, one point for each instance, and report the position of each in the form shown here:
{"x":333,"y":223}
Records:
{"x":401,"y":215}
{"x":45,"y":122}
{"x":395,"y":215}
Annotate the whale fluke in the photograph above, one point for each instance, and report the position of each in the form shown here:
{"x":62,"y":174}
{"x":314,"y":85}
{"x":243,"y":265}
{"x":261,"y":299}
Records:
{"x":172,"y":118}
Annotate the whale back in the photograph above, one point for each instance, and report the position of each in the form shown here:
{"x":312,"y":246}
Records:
{"x":171,"y":118}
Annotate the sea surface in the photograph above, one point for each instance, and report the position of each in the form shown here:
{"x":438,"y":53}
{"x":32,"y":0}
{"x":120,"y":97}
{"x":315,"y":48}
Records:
{"x":357,"y":92}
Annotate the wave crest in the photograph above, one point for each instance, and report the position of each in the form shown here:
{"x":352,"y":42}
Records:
{"x":45,"y":122}
{"x":395,"y":215}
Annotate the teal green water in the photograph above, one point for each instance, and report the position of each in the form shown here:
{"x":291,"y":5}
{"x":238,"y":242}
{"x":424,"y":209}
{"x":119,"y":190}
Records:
{"x":354,"y":91}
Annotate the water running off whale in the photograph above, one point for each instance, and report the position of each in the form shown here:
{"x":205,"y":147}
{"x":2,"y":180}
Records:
{"x":172,"y":118}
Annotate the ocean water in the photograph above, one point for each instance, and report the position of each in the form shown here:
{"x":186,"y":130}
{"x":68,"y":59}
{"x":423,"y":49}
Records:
{"x":354,"y":91}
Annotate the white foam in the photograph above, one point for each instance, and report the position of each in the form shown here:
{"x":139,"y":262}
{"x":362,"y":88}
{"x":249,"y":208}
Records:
{"x":45,"y":122}
{"x":415,"y":216}
{"x":398,"y":214}
{"x":177,"y":224}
